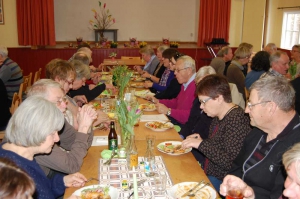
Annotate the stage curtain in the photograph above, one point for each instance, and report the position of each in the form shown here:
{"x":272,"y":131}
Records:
{"x":35,"y":20}
{"x":214,"y":20}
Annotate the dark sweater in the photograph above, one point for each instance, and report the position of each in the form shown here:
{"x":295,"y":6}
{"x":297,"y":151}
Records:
{"x":4,"y":107}
{"x":89,"y":94}
{"x":266,"y":177}
{"x":171,"y":91}
{"x":296,"y":84}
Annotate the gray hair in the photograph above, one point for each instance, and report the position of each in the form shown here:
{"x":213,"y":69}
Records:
{"x":276,"y":56}
{"x":148,"y":50}
{"x":40,"y":88}
{"x":33,"y":121}
{"x":223,"y":51}
{"x":162,"y":48}
{"x":272,"y":46}
{"x":275,"y":89}
{"x":81,"y":69}
{"x":3,"y":51}
{"x":203,"y":71}
{"x":83,"y":57}
{"x":188,"y":62}
{"x":292,"y":155}
{"x":242,"y":52}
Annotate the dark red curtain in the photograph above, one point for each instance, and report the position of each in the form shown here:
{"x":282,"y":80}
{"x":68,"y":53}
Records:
{"x":214,"y":19}
{"x":36,"y":22}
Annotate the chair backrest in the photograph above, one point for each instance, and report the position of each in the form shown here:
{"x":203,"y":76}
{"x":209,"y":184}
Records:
{"x":135,"y":58}
{"x":15,"y":103}
{"x":28,"y":78}
{"x":23,"y":90}
{"x":2,"y":135}
{"x":37,"y":75}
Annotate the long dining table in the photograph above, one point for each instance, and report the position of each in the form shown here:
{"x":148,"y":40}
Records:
{"x":181,"y":168}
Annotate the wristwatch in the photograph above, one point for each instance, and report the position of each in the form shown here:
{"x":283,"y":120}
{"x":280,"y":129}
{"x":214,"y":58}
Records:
{"x":169,"y":112}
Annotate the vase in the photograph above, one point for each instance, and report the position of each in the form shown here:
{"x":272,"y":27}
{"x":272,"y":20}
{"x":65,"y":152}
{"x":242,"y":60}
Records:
{"x":132,"y":154}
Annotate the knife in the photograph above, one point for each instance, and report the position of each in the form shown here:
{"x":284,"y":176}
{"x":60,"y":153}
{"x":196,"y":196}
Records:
{"x":192,"y":189}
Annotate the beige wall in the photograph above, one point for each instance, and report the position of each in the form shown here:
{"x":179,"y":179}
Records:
{"x":8,"y":31}
{"x":236,"y":22}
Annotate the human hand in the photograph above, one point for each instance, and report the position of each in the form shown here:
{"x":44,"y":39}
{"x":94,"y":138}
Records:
{"x":194,"y":135}
{"x":74,"y":180}
{"x":92,"y":68}
{"x":145,"y":74}
{"x":235,"y":181}
{"x":148,"y":84}
{"x":101,"y":67}
{"x":85,"y":117}
{"x":161,"y":108}
{"x":81,"y":99}
{"x":102,"y":117}
{"x":191,"y":142}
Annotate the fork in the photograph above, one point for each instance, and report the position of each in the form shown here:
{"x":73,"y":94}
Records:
{"x":194,"y":194}
{"x":90,"y":179}
{"x":111,"y":157}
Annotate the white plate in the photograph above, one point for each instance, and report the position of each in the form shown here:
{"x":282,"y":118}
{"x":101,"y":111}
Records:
{"x":147,"y":108}
{"x":138,"y":79}
{"x":207,"y":192}
{"x":173,"y":143}
{"x":137,"y":85}
{"x":160,"y":129}
{"x":113,"y":192}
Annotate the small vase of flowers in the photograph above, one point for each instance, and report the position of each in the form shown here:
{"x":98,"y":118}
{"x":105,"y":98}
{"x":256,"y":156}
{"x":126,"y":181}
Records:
{"x":142,"y":44}
{"x":113,"y":44}
{"x":113,"y":55}
{"x":174,"y":44}
{"x":133,"y":41}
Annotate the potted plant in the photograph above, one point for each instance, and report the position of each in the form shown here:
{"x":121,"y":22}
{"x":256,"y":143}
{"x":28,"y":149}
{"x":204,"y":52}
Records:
{"x":132,"y":41}
{"x":174,"y":44}
{"x":142,"y":44}
{"x":113,"y":44}
{"x":113,"y":55}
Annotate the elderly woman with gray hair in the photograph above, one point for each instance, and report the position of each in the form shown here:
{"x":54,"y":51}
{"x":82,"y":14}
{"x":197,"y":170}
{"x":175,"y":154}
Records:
{"x":33,"y":130}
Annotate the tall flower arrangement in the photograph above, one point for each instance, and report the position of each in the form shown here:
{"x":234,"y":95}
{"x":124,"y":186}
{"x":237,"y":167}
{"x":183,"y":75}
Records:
{"x":102,"y":19}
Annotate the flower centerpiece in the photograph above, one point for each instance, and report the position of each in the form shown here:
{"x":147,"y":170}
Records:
{"x":133,"y":41}
{"x":165,"y":41}
{"x":113,"y":44}
{"x":102,"y":20}
{"x":113,"y":55}
{"x":142,"y":44}
{"x":174,"y":44}
{"x":293,"y":69}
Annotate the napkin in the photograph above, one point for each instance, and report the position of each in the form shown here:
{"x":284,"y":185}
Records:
{"x":149,"y":118}
{"x":102,"y":140}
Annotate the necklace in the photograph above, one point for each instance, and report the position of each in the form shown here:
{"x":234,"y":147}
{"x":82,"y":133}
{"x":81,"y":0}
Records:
{"x":235,"y":106}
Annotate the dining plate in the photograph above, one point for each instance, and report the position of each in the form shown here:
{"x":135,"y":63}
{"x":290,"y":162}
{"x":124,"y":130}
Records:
{"x":113,"y":192}
{"x":181,"y":188}
{"x":138,"y":85}
{"x":159,"y":126}
{"x":172,"y":148}
{"x":148,"y":107}
{"x":138,"y":79}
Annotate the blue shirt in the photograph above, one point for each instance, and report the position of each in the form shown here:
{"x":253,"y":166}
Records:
{"x":185,"y":85}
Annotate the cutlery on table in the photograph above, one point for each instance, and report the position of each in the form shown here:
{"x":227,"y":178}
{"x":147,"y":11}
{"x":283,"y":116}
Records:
{"x":192,"y":189}
{"x":111,"y":157}
{"x":193,"y":194}
{"x":90,"y":179}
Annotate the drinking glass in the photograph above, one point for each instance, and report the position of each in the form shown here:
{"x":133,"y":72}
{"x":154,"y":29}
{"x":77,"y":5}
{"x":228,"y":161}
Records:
{"x":152,"y":138}
{"x":160,"y":183}
{"x":234,"y":192}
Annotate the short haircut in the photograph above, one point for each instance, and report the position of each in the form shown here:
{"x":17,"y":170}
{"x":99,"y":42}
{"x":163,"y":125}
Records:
{"x":81,"y":69}
{"x":223,"y":51}
{"x":83,"y":57}
{"x":169,"y":53}
{"x":241,"y":53}
{"x":188,"y":62}
{"x":162,"y":48}
{"x":246,"y":45}
{"x":15,"y":182}
{"x":214,"y":86}
{"x":62,"y":70}
{"x":276,"y":56}
{"x":3,"y":51}
{"x":292,"y":156}
{"x":86,"y":50}
{"x":33,"y":121}
{"x":296,"y":46}
{"x":50,"y":66}
{"x":203,"y":71}
{"x":41,"y":88}
{"x":277,"y":90}
{"x":148,"y":50}
{"x":272,"y":46}
{"x":261,"y":61}
{"x":84,"y":44}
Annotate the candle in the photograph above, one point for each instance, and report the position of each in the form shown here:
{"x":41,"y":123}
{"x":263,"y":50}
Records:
{"x":135,"y":187}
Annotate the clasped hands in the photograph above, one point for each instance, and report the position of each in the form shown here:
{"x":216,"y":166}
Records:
{"x":193,"y":140}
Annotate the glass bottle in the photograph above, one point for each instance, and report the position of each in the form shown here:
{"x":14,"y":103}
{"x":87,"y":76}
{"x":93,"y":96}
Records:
{"x":112,"y":137}
{"x":149,"y":160}
{"x":132,"y":154}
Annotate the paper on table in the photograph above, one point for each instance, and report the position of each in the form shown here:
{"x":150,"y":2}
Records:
{"x":102,"y":140}
{"x":149,"y":118}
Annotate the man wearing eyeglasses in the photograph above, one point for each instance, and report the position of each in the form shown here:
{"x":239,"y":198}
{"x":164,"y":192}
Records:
{"x":276,"y":127}
{"x":75,"y":143}
{"x":178,"y":109}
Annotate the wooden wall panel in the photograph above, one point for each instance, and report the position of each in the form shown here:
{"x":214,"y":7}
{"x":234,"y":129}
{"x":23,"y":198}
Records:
{"x":30,"y":60}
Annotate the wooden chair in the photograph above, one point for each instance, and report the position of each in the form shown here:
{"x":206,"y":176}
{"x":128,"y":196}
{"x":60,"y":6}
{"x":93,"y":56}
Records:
{"x":15,"y":103}
{"x":23,"y":91}
{"x":28,"y":78}
{"x":2,"y":134}
{"x":135,"y":58}
{"x":246,"y":93}
{"x":37,"y":75}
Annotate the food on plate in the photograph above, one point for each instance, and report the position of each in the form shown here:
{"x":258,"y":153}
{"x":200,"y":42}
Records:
{"x":140,"y":85}
{"x":201,"y":194}
{"x":159,"y":125}
{"x":147,"y":106}
{"x":97,"y":105}
{"x":96,"y":192}
{"x":138,"y":79}
{"x":171,"y":148}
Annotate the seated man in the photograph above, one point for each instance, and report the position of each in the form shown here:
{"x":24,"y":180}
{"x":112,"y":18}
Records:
{"x":10,"y":74}
{"x":75,"y":143}
{"x":279,"y":62}
{"x":276,"y":129}
{"x":178,"y":109}
{"x":222,"y":60}
{"x":152,"y":61}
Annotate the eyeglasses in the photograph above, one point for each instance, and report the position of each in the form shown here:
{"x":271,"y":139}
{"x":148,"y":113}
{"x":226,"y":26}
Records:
{"x":178,"y":70}
{"x":62,"y":100}
{"x":250,"y":106}
{"x":69,"y":82}
{"x":204,"y":101}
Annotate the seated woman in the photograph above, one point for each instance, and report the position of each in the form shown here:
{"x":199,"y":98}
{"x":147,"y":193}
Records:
{"x":159,"y":68}
{"x":151,"y":60}
{"x":167,"y":76}
{"x":26,"y":137}
{"x":227,"y":131}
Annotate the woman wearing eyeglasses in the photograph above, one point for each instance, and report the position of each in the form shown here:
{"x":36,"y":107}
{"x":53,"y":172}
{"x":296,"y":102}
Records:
{"x":227,"y":130}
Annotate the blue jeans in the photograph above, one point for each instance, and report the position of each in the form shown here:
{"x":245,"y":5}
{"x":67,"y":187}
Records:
{"x":215,"y":182}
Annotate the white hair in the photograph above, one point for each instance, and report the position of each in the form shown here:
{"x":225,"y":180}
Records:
{"x":188,"y":62}
{"x":40,"y":88}
{"x":3,"y":51}
{"x":203,"y":71}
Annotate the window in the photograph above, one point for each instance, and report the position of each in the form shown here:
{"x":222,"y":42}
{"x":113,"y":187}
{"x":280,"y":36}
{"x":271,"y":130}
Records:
{"x":290,"y":29}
